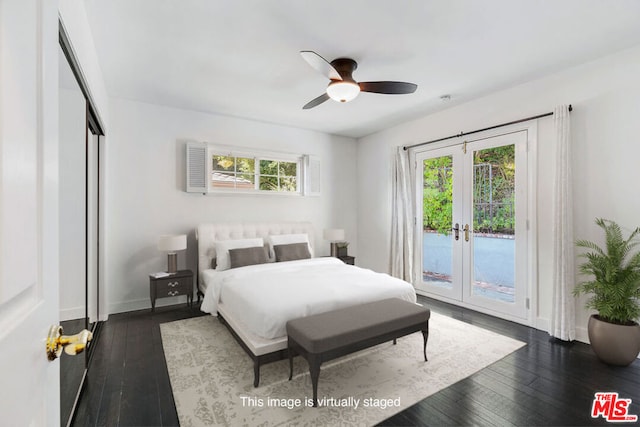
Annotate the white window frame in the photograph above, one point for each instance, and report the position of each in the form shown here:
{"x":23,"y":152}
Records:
{"x":257,"y":155}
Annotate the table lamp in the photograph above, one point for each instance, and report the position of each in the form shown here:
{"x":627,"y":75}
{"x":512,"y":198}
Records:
{"x":171,"y":244}
{"x":334,"y":235}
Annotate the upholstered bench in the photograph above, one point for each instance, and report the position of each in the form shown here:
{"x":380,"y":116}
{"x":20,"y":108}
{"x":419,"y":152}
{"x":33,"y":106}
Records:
{"x":326,"y":336}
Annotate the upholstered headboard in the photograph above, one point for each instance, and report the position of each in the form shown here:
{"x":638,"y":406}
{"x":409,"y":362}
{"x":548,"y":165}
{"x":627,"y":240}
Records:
{"x":207,"y":234}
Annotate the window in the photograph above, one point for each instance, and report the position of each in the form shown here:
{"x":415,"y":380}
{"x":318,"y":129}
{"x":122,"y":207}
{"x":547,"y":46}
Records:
{"x":246,"y":173}
{"x":222,"y":169}
{"x":233,"y":172}
{"x":278,"y":176}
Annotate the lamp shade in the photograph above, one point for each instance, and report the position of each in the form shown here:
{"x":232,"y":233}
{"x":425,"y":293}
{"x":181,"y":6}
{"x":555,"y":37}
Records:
{"x":333,"y":234}
{"x":343,"y":91}
{"x":170,"y":243}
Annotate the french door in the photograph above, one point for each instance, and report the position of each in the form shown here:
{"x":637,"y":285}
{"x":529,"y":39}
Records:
{"x":472,"y":206}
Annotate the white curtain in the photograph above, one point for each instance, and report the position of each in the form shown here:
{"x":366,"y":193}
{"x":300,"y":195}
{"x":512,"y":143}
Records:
{"x":402,"y":218}
{"x":563,"y":315}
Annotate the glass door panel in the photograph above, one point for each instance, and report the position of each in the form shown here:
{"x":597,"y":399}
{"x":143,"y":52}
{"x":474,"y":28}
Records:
{"x":437,"y":200}
{"x":439,"y":235}
{"x":496,"y":211}
{"x":494,"y":223}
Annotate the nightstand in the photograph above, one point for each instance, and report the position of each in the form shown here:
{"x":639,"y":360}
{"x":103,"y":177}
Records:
{"x":348,"y":259}
{"x":179,"y":283}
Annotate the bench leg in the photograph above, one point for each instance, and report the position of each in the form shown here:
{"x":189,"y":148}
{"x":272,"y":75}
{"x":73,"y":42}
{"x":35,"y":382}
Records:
{"x":425,"y":337}
{"x":395,"y":341}
{"x":290,"y":362}
{"x":256,"y":372}
{"x":314,"y":370}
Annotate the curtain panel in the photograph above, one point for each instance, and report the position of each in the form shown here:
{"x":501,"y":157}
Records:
{"x":563,"y":309}
{"x":402,"y":217}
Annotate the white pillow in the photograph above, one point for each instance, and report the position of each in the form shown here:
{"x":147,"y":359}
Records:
{"x":223,"y":246}
{"x":285,"y":239}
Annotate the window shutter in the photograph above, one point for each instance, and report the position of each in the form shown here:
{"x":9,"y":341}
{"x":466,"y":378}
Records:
{"x":311,"y":176}
{"x":196,"y":167}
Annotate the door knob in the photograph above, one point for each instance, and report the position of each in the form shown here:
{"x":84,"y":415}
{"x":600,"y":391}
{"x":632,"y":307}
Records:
{"x":466,"y":232}
{"x":72,"y":344}
{"x":456,"y":230}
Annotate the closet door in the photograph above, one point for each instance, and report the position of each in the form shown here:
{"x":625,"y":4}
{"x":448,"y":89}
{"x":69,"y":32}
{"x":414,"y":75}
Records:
{"x":78,"y":219}
{"x":73,"y":231}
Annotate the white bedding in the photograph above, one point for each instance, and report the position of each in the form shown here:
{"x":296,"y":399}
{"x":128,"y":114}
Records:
{"x":266,"y":296}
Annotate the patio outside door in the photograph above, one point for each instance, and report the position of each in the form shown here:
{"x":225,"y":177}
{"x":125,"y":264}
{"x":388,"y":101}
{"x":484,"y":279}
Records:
{"x":473,"y":204}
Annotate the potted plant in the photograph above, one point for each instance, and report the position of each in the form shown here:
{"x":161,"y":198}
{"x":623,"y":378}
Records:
{"x":614,"y":291}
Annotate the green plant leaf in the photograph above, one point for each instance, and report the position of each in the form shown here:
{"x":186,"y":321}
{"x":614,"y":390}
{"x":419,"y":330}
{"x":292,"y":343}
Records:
{"x":614,"y":290}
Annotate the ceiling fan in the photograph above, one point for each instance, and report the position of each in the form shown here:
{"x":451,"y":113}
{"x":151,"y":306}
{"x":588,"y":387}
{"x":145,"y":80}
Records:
{"x":342,"y":87}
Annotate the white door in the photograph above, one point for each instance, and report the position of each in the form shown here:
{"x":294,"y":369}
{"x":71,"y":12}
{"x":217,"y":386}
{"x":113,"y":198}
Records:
{"x":28,"y":210}
{"x":473,"y":207}
{"x":495,"y":208}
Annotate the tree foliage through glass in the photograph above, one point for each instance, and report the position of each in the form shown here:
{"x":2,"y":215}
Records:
{"x":272,"y":175}
{"x":493,"y":192}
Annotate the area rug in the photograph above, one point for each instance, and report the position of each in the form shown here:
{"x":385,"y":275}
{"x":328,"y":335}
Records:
{"x":212,"y":377}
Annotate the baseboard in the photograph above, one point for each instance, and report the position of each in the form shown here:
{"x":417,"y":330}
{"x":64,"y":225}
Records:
{"x":144,"y":304}
{"x":78,"y":313}
{"x":582,"y":335}
{"x":544,"y":324}
{"x":72,"y":313}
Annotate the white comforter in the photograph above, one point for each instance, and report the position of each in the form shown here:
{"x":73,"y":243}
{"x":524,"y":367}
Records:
{"x":264,"y":297}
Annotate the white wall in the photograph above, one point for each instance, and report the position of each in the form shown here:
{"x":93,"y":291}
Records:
{"x":605,"y":125}
{"x":146,"y":198}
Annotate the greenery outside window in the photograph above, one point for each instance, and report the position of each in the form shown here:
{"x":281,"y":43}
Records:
{"x":278,"y":176}
{"x":245,"y":173}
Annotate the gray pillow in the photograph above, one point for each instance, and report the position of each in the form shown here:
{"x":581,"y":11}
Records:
{"x":292,"y":251}
{"x":247,"y":256}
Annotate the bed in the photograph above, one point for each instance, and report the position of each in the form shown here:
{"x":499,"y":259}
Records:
{"x":255,"y":301}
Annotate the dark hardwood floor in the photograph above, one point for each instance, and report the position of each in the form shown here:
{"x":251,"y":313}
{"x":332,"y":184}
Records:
{"x":544,"y":383}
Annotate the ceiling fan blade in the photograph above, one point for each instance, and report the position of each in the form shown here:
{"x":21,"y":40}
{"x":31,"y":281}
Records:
{"x":320,"y":64}
{"x":315,"y":102}
{"x":391,"y":88}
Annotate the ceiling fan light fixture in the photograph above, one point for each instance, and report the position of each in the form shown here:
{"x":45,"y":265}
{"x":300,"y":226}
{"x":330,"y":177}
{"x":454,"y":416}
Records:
{"x":343,"y":88}
{"x":343,"y":91}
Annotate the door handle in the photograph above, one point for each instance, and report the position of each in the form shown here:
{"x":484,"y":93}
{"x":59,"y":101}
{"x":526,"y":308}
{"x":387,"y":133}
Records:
{"x":466,"y":232}
{"x":72,"y":344}
{"x":456,"y":230}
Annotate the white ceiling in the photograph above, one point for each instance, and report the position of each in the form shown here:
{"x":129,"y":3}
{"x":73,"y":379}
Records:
{"x":241,"y":58}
